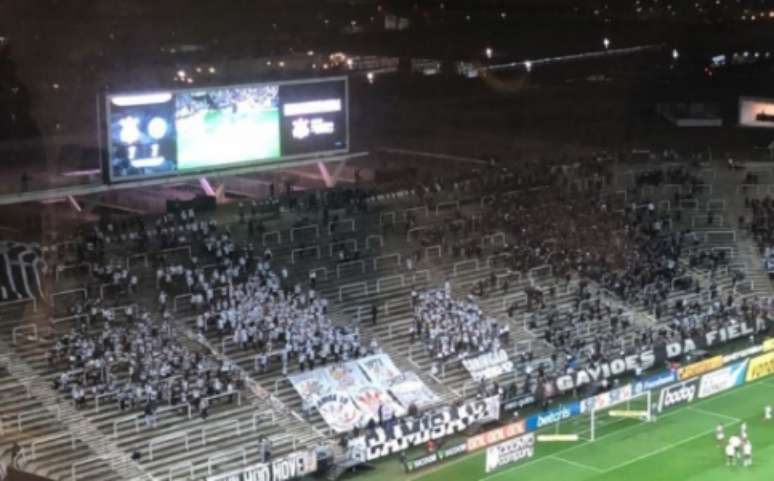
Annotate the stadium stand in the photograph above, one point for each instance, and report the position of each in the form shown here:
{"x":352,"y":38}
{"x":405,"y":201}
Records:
{"x":571,"y":263}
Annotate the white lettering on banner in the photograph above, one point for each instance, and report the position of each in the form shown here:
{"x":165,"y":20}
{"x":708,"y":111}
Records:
{"x":553,"y":417}
{"x":510,"y":452}
{"x":489,"y":365}
{"x":294,"y":465}
{"x":614,"y":368}
{"x":710,"y":339}
{"x":438,"y":424}
{"x":684,"y":392}
{"x":647,"y":359}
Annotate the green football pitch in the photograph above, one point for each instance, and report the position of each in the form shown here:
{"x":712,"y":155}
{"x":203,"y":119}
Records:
{"x":679,"y":445}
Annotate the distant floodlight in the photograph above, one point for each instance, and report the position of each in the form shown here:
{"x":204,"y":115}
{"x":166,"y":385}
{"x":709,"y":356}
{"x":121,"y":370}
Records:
{"x":606,"y":43}
{"x":489,"y":52}
{"x":212,"y":70}
{"x":349,"y":62}
{"x":528,"y":66}
{"x":181,"y":73}
{"x":370,"y":77}
{"x":675,"y":54}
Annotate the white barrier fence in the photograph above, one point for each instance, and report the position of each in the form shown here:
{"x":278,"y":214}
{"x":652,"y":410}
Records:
{"x":416,"y":212}
{"x":388,"y":279}
{"x":346,"y":244}
{"x":317,"y":270}
{"x":226,"y":455}
{"x":166,"y":439}
{"x":387,"y":257}
{"x":465,"y":266}
{"x":25,"y":300}
{"x":374,"y":238}
{"x":301,"y":250}
{"x":348,"y":222}
{"x":74,"y":466}
{"x":720,"y":236}
{"x":430,"y":249}
{"x":423,"y":275}
{"x":50,"y":439}
{"x":313,"y":227}
{"x":143,"y":257}
{"x":446,"y":206}
{"x":541,"y":272}
{"x":276,"y":235}
{"x":716,"y":204}
{"x":415,"y":230}
{"x":31,"y":331}
{"x":348,"y":264}
{"x":186,"y":466}
{"x":387,"y":215}
{"x":354,"y":286}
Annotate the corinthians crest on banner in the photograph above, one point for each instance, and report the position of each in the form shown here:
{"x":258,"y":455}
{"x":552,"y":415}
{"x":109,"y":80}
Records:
{"x":21,"y":270}
{"x":350,"y":394}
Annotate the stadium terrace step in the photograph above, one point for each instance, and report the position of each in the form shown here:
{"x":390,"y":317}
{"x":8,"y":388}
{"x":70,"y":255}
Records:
{"x":105,"y":449}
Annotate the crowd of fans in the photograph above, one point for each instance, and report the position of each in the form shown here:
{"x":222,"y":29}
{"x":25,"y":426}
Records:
{"x":558,"y":217}
{"x":142,"y":363}
{"x":454,"y":329}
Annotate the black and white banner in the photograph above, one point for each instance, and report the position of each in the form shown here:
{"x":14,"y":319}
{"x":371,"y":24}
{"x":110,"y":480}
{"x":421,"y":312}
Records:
{"x":614,"y":368}
{"x":294,"y":465}
{"x":646,"y":359}
{"x":408,"y":432}
{"x":489,"y":365}
{"x":710,"y":339}
{"x":510,"y":451}
{"x":436,"y":457}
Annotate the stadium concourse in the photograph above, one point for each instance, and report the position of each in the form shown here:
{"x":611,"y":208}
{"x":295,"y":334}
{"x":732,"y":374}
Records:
{"x":179,"y":346}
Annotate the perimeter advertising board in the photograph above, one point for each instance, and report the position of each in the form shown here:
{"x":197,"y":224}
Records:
{"x":510,"y":452}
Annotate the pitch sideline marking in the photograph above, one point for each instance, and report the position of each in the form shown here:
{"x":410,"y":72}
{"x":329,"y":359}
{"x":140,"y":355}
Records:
{"x":664,"y":449}
{"x":585,"y":443}
{"x":713,"y":413}
{"x":575,"y":463}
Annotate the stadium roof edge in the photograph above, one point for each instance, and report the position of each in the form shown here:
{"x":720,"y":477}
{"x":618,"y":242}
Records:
{"x":91,"y":189}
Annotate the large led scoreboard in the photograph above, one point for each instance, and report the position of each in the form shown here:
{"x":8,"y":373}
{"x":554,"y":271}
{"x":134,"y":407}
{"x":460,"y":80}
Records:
{"x":187,"y":131}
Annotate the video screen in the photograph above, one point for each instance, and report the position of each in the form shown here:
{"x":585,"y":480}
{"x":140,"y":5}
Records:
{"x":227,"y":126}
{"x":142,"y":132}
{"x":197,"y":130}
{"x":314,"y":117}
{"x":756,"y":112}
